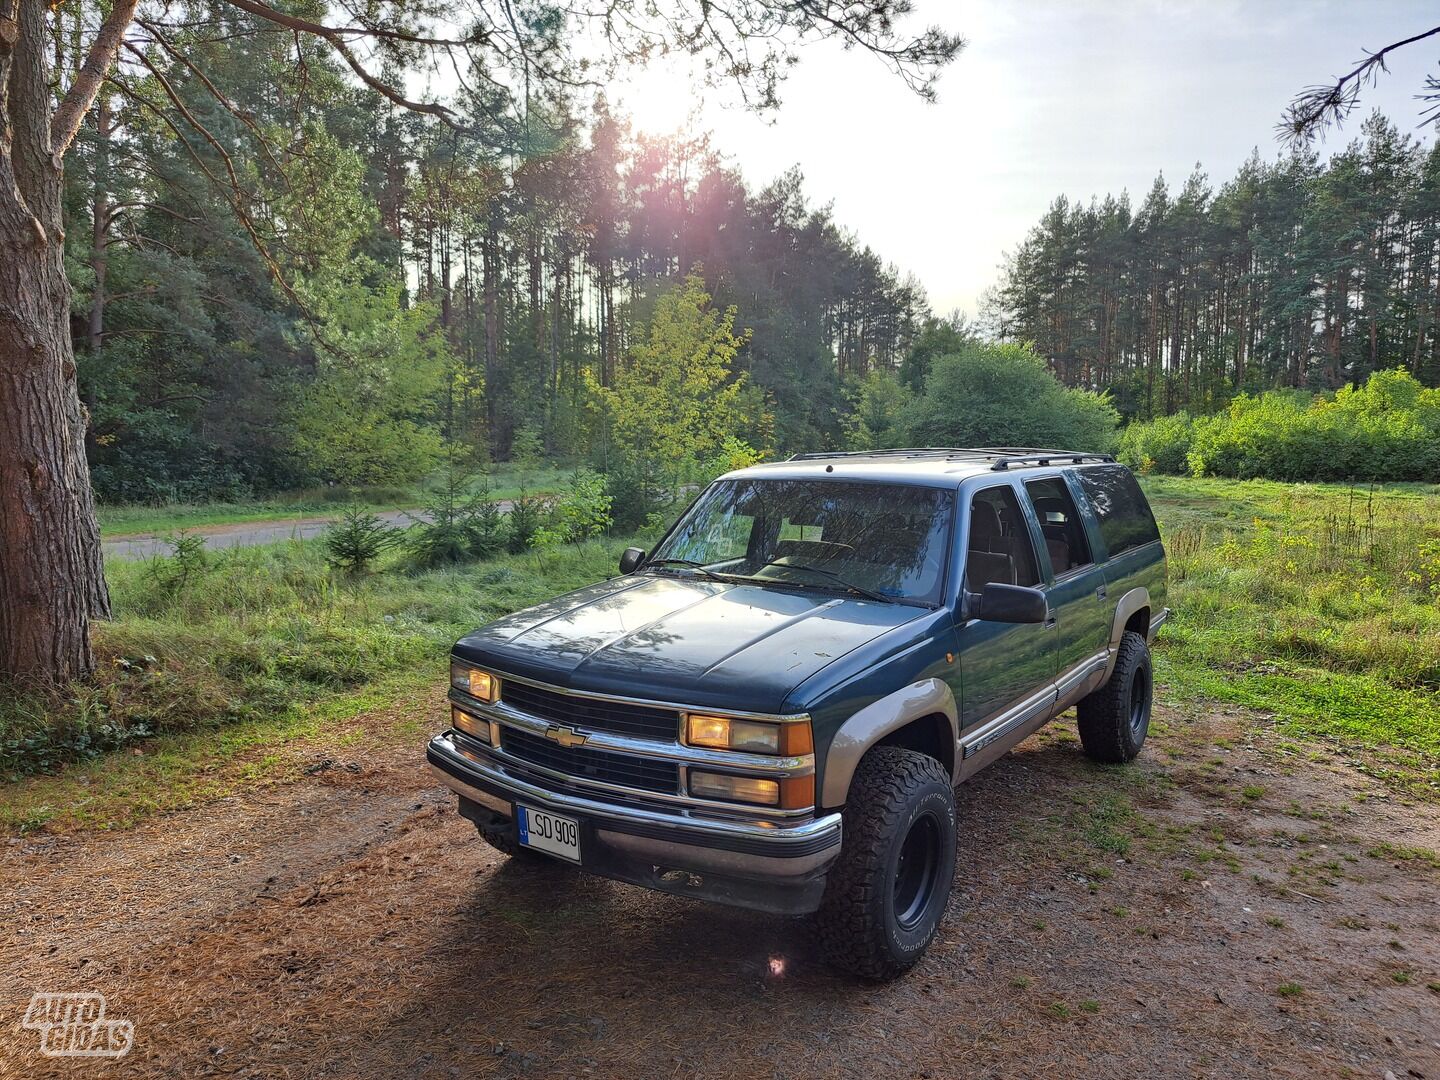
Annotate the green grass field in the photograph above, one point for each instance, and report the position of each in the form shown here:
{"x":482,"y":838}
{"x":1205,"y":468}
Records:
{"x":1315,"y":606}
{"x":1317,"y":603}
{"x":506,"y":482}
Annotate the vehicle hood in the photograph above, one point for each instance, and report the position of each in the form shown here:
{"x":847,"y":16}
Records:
{"x":707,"y":643}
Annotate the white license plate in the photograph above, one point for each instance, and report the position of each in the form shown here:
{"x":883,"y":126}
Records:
{"x":548,"y":832}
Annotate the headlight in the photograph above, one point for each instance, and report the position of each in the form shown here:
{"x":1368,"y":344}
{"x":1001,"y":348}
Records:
{"x":746,"y":789}
{"x":473,"y":726}
{"x":789,"y":737}
{"x":476,"y":683}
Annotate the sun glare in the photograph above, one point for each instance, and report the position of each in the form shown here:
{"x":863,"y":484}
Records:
{"x":663,"y":99}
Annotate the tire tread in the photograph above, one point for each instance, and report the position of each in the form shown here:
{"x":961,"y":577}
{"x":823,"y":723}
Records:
{"x":849,"y":935}
{"x":1103,"y":716}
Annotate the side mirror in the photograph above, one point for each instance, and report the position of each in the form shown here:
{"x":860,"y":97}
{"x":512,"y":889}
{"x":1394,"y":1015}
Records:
{"x":631,"y":559}
{"x":999,"y":602}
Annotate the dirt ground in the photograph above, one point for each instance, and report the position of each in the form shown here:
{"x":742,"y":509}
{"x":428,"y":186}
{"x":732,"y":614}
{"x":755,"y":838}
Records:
{"x":1232,"y":905}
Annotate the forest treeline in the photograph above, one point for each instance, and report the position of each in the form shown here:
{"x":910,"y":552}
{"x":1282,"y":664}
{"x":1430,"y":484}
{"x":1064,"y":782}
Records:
{"x":1295,"y":272}
{"x":280,"y":282}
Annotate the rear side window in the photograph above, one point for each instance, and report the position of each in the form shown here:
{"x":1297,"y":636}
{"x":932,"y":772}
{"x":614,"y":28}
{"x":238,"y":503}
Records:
{"x":1125,"y":518}
{"x":1060,"y":524}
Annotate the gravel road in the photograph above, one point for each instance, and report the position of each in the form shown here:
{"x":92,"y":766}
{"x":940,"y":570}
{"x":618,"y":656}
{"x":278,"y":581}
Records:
{"x":250,"y":533}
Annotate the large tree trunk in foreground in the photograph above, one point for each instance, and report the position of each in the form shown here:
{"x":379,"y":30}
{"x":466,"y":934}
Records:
{"x":51,"y":578}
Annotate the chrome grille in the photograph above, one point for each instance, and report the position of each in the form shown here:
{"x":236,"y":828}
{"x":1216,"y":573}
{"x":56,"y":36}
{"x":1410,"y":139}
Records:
{"x":625,"y":770}
{"x":591,"y":714}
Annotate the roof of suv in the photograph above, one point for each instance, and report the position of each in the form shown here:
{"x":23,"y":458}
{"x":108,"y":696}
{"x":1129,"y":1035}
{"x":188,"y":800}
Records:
{"x":921,"y":464}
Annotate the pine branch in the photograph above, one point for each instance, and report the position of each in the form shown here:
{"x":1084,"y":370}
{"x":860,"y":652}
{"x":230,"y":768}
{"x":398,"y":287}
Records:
{"x":77,"y":101}
{"x":1318,"y":108}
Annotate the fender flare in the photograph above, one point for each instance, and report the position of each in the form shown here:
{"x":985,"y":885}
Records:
{"x":1133,"y":601}
{"x":869,"y":725}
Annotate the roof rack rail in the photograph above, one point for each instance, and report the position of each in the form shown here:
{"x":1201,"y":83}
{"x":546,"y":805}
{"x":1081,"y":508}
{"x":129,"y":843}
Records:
{"x":943,"y":452}
{"x":1000,"y":457}
{"x":913,"y":451}
{"x":1046,"y":457}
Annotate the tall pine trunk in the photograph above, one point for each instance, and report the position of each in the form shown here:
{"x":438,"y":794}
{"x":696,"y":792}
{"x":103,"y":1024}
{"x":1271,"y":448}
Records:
{"x":51,"y":578}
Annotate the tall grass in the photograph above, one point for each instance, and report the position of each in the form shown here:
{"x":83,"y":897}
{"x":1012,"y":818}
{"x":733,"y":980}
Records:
{"x":251,"y":631}
{"x":1320,"y":603}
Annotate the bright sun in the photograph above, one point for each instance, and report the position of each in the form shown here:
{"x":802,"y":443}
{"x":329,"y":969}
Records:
{"x":661,"y":99}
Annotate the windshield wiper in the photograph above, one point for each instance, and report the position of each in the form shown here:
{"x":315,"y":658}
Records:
{"x":868,"y":593}
{"x":691,"y":564}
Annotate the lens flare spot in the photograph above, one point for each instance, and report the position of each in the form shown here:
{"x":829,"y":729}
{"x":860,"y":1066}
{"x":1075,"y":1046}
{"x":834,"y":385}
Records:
{"x":777,"y":966}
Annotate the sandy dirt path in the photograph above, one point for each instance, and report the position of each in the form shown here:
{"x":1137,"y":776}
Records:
{"x":1227,"y":907}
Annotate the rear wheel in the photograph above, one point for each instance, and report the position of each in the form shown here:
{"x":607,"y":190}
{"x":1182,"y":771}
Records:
{"x":1115,"y":719}
{"x":888,"y":891}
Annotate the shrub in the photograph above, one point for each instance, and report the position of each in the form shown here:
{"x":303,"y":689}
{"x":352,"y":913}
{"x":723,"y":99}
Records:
{"x":1005,"y":395}
{"x":1389,"y":429}
{"x":1161,"y":445}
{"x":637,"y":492}
{"x":456,"y":525}
{"x":581,"y":513}
{"x":528,"y":515}
{"x":357,"y":540}
{"x":187,"y":561}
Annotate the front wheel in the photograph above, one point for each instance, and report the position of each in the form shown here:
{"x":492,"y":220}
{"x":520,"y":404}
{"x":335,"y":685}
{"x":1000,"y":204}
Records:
{"x":1115,"y":719}
{"x":888,"y":891}
{"x":499,"y":832}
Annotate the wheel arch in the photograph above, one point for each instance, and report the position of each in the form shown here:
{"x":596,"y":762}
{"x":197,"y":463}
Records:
{"x":1132,"y":612}
{"x":922,"y":716}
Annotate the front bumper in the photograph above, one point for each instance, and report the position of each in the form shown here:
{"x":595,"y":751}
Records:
{"x":769,"y":867}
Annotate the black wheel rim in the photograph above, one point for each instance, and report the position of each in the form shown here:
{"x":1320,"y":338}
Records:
{"x":917,"y":871}
{"x":1139,"y":701}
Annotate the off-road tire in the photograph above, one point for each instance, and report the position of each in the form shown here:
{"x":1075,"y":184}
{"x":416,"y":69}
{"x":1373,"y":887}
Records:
{"x":499,"y":833}
{"x":858,"y":928}
{"x":1114,"y":719}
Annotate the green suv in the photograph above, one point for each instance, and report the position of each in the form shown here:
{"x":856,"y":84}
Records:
{"x":773,"y":707}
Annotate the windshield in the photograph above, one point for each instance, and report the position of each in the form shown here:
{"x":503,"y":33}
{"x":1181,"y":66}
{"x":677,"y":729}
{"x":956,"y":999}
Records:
{"x":884,"y":539}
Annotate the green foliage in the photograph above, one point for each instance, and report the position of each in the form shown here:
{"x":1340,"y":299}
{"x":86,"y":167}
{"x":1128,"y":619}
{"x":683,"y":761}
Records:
{"x":881,"y":412}
{"x":1004,"y":395}
{"x":188,"y":560}
{"x":1294,"y":272}
{"x":367,"y":417}
{"x":734,"y":454}
{"x":581,"y":513}
{"x":937,"y":337}
{"x":529,"y":514}
{"x":355,"y":541}
{"x":677,"y":397}
{"x":226,"y":373}
{"x":638,"y":492}
{"x":457,"y":524}
{"x":1389,"y":429}
{"x":1160,"y":445}
{"x":526,"y":448}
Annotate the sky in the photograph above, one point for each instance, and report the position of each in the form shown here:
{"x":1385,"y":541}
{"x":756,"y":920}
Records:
{"x":1049,"y":97}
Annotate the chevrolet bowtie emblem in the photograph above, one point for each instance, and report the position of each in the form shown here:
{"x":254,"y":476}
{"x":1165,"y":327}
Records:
{"x":565,"y":736}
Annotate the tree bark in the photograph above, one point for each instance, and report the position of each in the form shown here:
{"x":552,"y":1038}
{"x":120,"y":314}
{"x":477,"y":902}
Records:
{"x":51,"y":577}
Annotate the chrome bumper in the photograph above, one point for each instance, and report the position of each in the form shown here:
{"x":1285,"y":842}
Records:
{"x":772,"y":852}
